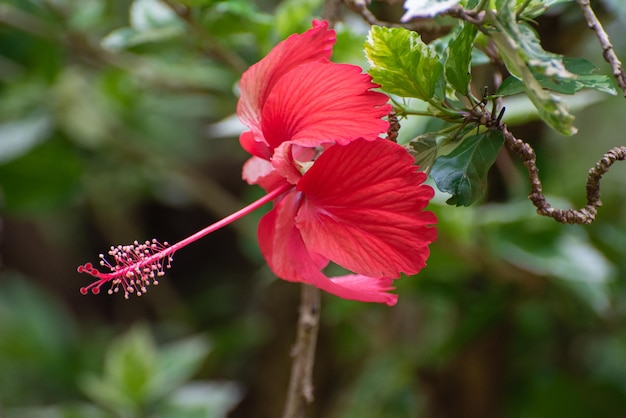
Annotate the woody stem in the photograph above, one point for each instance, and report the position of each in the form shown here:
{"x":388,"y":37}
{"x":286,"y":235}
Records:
{"x":300,"y":392}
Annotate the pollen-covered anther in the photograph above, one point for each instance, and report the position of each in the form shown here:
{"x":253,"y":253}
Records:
{"x":132,"y":268}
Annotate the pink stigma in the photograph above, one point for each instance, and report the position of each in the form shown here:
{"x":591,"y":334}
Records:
{"x":136,"y":266}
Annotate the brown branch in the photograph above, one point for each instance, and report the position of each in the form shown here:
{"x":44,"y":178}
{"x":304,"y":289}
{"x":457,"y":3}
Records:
{"x":210,"y":46}
{"x":300,"y":392}
{"x":607,"y":48}
{"x":360,"y":7}
{"x":18,"y":19}
{"x":427,"y":28}
{"x":331,"y":11}
{"x":585,"y":215}
{"x":475,"y":17}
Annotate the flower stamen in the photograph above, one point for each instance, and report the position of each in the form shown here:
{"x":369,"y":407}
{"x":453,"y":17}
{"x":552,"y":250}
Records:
{"x":136,"y":266}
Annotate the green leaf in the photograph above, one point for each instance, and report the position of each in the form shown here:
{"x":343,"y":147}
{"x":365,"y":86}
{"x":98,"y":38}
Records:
{"x":202,"y":400}
{"x":537,"y":58}
{"x":585,"y":78}
{"x":240,"y":26}
{"x":18,"y":137}
{"x":463,"y":172}
{"x":138,"y":373}
{"x":151,"y":14}
{"x":150,"y":21}
{"x":86,"y":14}
{"x":534,"y":8}
{"x":187,"y":72}
{"x":177,"y":363}
{"x":424,"y":148}
{"x":131,"y":364}
{"x":427,"y":147}
{"x":520,"y":49}
{"x":402,"y":64}
{"x":128,"y":37}
{"x":459,"y":59}
{"x":239,"y":18}
{"x":568,"y":255}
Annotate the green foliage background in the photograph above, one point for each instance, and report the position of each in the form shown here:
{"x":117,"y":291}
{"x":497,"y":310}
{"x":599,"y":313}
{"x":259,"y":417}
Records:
{"x":118,"y":126}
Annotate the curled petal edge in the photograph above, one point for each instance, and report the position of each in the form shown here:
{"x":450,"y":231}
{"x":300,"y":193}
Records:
{"x":260,"y":171}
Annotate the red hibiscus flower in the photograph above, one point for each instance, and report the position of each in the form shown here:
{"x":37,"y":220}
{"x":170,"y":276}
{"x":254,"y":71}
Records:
{"x":340,"y":192}
{"x":360,"y":205}
{"x":296,"y":94}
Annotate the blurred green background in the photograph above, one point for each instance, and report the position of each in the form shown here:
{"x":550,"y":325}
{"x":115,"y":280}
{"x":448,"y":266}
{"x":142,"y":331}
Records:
{"x":117,"y":122}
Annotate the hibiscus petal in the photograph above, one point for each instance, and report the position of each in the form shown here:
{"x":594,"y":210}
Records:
{"x":280,"y":241}
{"x":284,"y":163}
{"x":363,"y":209}
{"x":283,"y":248}
{"x":254,"y":145}
{"x":260,"y":171}
{"x":380,"y":286}
{"x":257,"y":82}
{"x":320,"y":102}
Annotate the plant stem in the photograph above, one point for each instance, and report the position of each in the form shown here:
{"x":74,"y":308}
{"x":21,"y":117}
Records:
{"x":300,"y":392}
{"x":584,"y":215}
{"x":607,"y":48}
{"x":210,"y":45}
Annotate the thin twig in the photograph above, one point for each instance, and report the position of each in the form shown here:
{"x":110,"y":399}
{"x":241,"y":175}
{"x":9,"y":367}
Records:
{"x":332,"y":11}
{"x":607,"y":48}
{"x":85,"y":48}
{"x":475,"y":17}
{"x":428,"y":28}
{"x":210,"y":45}
{"x":360,"y":7}
{"x":18,"y":19}
{"x":300,"y":392}
{"x":586,"y":214}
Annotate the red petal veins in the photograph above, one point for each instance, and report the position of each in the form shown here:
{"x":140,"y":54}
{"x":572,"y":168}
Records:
{"x":256,"y":83}
{"x":288,"y":257}
{"x":320,"y":103}
{"x":281,"y":244}
{"x":363,"y":209}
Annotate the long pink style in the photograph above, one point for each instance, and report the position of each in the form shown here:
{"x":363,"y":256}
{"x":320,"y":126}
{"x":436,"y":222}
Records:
{"x":138,"y":265}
